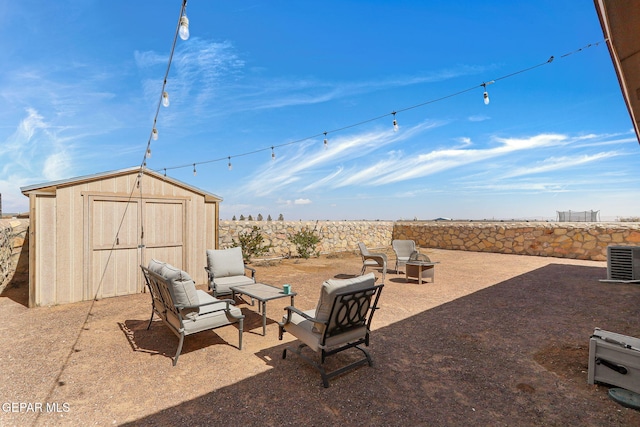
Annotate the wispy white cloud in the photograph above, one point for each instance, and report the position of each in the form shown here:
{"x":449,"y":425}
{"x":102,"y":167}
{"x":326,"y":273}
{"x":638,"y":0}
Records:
{"x":305,"y":163}
{"x":350,"y":161}
{"x":325,"y":180}
{"x":478,"y":118}
{"x":424,"y":164}
{"x":558,"y":163}
{"x":210,"y":71}
{"x":57,"y":165}
{"x":465,"y":141}
{"x":520,"y":186}
{"x":22,"y":154}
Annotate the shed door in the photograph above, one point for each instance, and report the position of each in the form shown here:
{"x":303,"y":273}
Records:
{"x":164,"y":230}
{"x":116,"y":233}
{"x":113,"y":243}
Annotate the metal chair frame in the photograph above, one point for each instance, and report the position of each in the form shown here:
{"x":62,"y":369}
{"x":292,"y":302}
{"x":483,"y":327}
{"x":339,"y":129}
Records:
{"x":350,"y":310}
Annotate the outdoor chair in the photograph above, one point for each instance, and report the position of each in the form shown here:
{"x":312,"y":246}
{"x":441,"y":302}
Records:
{"x":183,"y":308}
{"x":340,"y":321}
{"x":403,"y":250}
{"x":226,"y":268}
{"x":370,"y":259}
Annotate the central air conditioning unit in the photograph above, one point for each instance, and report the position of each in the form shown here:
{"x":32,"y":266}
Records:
{"x":623,"y":264}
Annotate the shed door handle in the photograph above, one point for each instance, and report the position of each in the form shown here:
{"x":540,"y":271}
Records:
{"x":618,"y":368}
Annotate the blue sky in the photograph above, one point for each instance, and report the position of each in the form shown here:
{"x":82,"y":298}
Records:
{"x":81,"y":82}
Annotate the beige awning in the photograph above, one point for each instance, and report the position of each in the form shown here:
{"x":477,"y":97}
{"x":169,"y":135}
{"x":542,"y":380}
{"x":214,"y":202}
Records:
{"x":620,"y":21}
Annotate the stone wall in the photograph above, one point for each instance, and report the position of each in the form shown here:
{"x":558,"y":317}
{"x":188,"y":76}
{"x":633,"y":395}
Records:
{"x":563,"y":240}
{"x":13,"y":233}
{"x":336,"y":236}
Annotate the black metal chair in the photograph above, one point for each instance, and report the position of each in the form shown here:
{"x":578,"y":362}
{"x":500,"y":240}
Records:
{"x":341,"y":320}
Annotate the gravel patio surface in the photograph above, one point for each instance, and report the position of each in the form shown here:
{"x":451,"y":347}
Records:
{"x":496,"y":340}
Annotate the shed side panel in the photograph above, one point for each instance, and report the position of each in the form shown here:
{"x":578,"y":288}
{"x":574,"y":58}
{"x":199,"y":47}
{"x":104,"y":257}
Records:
{"x":45,"y":235}
{"x":68,"y":247}
{"x":211,"y":220}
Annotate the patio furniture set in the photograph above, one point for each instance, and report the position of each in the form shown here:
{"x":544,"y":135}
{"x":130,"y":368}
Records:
{"x":340,"y":321}
{"x":417,"y":266}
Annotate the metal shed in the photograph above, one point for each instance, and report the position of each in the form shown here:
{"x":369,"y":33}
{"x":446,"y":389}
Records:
{"x":89,"y":234}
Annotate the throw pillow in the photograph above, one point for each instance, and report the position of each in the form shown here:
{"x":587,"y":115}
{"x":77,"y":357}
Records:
{"x":183,"y":287}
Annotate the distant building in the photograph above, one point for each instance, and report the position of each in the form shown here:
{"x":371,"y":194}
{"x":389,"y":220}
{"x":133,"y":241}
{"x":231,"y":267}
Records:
{"x":578,"y":216}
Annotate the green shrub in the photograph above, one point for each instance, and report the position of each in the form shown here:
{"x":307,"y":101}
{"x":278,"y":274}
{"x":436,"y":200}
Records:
{"x":252,"y":243}
{"x":305,"y":241}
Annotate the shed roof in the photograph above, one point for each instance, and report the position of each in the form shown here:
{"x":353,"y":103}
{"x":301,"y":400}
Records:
{"x":620,"y":22}
{"x":52,"y":186}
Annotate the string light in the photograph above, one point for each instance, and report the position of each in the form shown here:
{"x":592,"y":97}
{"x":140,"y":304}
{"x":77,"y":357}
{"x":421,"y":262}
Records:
{"x":194,"y":170}
{"x":273,"y":154}
{"x":165,"y":172}
{"x":140,"y":227}
{"x":184,"y":27}
{"x":395,"y":122}
{"x":485,"y":95}
{"x":164,"y":98}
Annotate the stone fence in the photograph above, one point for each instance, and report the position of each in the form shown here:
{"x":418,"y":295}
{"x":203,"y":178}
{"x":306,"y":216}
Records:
{"x":563,"y":240}
{"x":13,"y":233}
{"x":336,"y":236}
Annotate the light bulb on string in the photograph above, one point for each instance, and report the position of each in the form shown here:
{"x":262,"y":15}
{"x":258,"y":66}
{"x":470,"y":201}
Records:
{"x":395,"y":122}
{"x":485,"y":95}
{"x":326,"y":141}
{"x":194,"y":170}
{"x":165,"y":172}
{"x":273,"y":154}
{"x":229,"y":166}
{"x":165,"y":99}
{"x":148,"y":151}
{"x":154,"y":134}
{"x":184,"y":27}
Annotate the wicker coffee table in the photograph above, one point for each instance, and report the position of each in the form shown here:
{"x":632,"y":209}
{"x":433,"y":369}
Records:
{"x":263,"y":293}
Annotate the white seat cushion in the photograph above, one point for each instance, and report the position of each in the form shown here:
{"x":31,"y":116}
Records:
{"x":225,"y":262}
{"x":224,"y":283}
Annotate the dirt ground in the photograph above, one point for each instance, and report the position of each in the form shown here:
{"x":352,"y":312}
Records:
{"x":496,"y":340}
